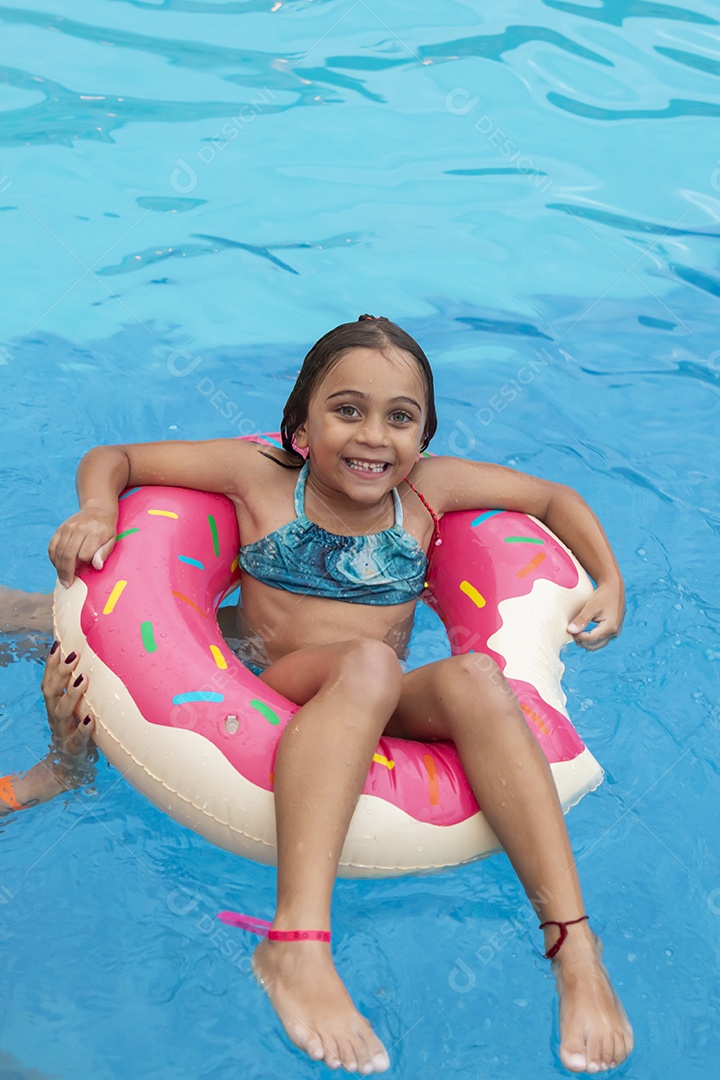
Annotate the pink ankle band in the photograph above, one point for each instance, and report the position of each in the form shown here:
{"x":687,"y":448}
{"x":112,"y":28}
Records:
{"x":244,"y":922}
{"x":262,"y":928}
{"x":299,"y":935}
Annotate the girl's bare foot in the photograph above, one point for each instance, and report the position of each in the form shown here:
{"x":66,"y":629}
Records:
{"x":314,"y":1007}
{"x":595,"y":1034}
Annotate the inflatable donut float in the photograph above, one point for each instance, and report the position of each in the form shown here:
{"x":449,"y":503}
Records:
{"x":192,"y":729}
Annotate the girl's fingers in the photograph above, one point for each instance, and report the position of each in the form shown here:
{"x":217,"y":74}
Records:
{"x":597,"y":637}
{"x":98,"y":559}
{"x":63,"y":555}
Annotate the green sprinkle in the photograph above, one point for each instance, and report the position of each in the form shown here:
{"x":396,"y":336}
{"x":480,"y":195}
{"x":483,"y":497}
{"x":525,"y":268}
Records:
{"x":148,"y":636}
{"x":523,"y":540}
{"x":128,"y":532}
{"x":214,"y":534}
{"x":265,"y":711}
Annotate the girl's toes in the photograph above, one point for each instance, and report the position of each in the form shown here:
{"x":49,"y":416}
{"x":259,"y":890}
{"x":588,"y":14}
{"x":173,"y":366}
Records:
{"x":348,"y":1056}
{"x":333,"y":1054}
{"x":381,"y":1062}
{"x":575,"y":1061}
{"x":310,"y":1042}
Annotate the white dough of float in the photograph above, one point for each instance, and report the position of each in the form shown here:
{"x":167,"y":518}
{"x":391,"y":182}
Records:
{"x":168,"y":764}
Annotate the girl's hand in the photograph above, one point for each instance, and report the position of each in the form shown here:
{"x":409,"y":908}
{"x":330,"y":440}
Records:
{"x":606,"y":607}
{"x":88,"y":536}
{"x":64,"y":691}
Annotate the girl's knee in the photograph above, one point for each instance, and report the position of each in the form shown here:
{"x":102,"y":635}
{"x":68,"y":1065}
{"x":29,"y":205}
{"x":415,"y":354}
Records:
{"x":371,"y":667}
{"x":472,"y":677}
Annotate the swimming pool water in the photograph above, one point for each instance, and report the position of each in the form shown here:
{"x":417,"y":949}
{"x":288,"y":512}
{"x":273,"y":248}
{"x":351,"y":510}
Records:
{"x":191,"y":193}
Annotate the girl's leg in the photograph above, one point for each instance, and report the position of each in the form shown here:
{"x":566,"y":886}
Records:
{"x":349,"y":692}
{"x":466,"y":699}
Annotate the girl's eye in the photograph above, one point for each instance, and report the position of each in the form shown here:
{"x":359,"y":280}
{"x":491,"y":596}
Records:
{"x":347,"y":410}
{"x":400,"y":417}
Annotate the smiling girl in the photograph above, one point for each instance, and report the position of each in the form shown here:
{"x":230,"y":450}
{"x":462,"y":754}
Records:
{"x":337,"y":529}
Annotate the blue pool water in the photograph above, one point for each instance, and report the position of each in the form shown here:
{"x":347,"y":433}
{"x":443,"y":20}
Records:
{"x":192,"y":192}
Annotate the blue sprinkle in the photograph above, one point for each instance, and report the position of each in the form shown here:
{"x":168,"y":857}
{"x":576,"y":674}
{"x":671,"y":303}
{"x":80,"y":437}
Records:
{"x":484,"y":517}
{"x":127,"y":494}
{"x":197,"y":695}
{"x":191,"y":562}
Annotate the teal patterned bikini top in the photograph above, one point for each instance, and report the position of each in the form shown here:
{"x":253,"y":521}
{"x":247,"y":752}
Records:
{"x":387,"y":567}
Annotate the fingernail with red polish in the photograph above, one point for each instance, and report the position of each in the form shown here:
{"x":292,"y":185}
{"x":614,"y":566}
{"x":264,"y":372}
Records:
{"x":69,"y":659}
{"x":87,"y":720}
{"x":55,"y":647}
{"x":78,"y":680}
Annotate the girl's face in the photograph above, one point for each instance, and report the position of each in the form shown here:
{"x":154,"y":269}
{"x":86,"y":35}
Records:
{"x":365,"y":423}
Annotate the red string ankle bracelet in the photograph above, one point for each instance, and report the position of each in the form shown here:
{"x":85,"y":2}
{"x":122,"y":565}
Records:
{"x":563,"y":933}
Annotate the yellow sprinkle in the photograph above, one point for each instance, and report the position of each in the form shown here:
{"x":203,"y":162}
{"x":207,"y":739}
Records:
{"x":114,"y":596}
{"x":235,"y":564}
{"x":471,"y":591}
{"x":219,"y":658}
{"x":383,"y":761}
{"x":162,"y":513}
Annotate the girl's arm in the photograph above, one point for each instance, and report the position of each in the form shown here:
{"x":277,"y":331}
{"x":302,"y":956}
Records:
{"x":562,"y":509}
{"x":89,"y":535}
{"x":66,"y":766}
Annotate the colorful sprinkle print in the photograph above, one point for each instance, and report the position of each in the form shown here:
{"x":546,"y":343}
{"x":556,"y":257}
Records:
{"x":218,"y":657}
{"x":147,"y":635}
{"x":483,"y":517}
{"x":532,"y":565}
{"x":186,"y":600}
{"x":532,"y":715}
{"x":523,"y":540}
{"x":381,"y":760}
{"x":128,"y":532}
{"x":127,"y":494}
{"x":470,"y":590}
{"x":265,"y":711}
{"x":235,"y":563}
{"x":114,"y":597}
{"x":429,"y":763}
{"x":163,"y":513}
{"x":191,"y":562}
{"x":214,"y":533}
{"x":197,"y":695}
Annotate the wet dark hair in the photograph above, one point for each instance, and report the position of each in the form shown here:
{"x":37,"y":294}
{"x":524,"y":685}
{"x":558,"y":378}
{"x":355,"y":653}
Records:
{"x":369,"y":332}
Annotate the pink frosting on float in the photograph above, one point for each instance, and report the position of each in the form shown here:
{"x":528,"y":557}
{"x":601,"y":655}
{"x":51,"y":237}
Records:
{"x":149,"y":616}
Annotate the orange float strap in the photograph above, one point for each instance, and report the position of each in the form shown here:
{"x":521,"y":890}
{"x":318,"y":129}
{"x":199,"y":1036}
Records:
{"x":7,"y":793}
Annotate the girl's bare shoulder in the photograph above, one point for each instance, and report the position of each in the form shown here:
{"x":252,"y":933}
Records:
{"x":451,"y":483}
{"x":264,"y":471}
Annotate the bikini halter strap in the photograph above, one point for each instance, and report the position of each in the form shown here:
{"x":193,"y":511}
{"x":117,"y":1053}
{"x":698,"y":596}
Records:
{"x":436,"y":541}
{"x":299,"y":497}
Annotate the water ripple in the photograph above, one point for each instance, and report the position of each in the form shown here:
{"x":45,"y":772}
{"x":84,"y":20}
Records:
{"x":66,"y":115}
{"x":675,"y":107}
{"x":691,"y":60}
{"x":138,"y":260}
{"x":615,"y":12}
{"x":621,"y":221}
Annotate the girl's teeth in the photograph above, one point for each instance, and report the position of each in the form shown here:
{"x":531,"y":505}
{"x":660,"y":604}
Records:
{"x":365,"y":467}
